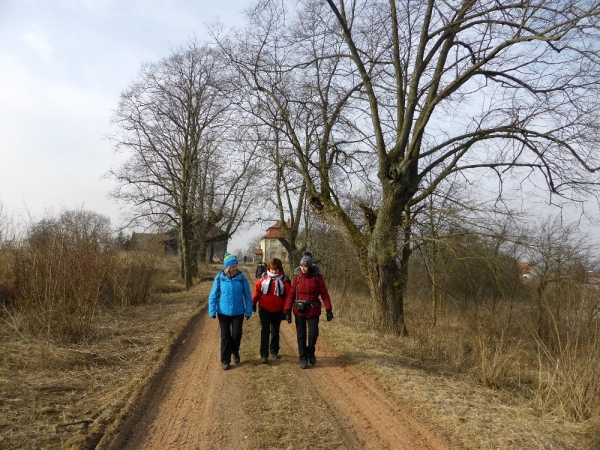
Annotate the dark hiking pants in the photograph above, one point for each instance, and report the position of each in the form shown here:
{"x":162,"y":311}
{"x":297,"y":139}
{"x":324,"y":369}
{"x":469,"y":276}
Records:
{"x":302,"y":324}
{"x":270,"y":322}
{"x":231,"y":335}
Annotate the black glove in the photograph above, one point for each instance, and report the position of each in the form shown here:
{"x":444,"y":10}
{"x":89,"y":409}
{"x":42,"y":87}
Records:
{"x":247,"y":317}
{"x":288,"y":316}
{"x":213,"y":317}
{"x":329,"y":315}
{"x":253,"y":308}
{"x":283,"y":316}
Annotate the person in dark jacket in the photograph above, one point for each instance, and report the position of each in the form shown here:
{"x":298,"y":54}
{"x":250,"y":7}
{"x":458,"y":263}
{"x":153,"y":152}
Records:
{"x":269,"y":294}
{"x":262,"y":268}
{"x":230,"y":301}
{"x":303,"y":299}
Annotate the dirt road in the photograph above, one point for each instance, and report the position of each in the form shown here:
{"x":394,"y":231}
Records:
{"x":332,"y":405}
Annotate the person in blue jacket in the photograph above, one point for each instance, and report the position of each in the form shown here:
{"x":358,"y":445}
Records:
{"x":230,"y":300}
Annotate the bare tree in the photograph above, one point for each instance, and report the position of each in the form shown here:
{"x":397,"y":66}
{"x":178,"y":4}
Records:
{"x":173,"y":123}
{"x":481,"y":88}
{"x":560,"y":254}
{"x":224,"y":189}
{"x":61,"y":271}
{"x":303,"y":112}
{"x":283,"y":189}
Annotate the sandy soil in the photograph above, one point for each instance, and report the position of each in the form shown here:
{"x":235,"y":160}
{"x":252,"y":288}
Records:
{"x":195,"y":404}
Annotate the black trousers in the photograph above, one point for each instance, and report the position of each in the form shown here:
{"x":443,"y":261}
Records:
{"x":302,"y":324}
{"x":231,"y":335}
{"x":270,"y":322}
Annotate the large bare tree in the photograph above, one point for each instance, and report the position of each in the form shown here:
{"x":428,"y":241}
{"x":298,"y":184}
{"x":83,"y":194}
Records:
{"x":433,"y":88}
{"x":175,"y":124}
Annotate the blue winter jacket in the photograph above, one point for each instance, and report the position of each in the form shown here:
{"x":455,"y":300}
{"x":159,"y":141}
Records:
{"x":230,"y":296}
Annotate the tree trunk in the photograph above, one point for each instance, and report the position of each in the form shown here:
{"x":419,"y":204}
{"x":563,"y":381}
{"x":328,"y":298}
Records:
{"x":388,"y":277}
{"x":434,"y":301}
{"x":212,"y":253}
{"x":186,"y":250}
{"x":202,"y":250}
{"x":387,"y":292}
{"x":194,"y":255}
{"x":295,"y":257}
{"x":543,"y":316}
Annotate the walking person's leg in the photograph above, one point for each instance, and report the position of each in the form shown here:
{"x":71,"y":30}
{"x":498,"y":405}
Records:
{"x":264,"y":316}
{"x":236,"y":336}
{"x":226,"y":347}
{"x":313,"y":334}
{"x":275,"y":327}
{"x":301,"y":336}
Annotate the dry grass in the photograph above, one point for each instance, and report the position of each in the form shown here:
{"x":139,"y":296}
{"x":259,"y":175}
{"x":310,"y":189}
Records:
{"x":49,"y":393}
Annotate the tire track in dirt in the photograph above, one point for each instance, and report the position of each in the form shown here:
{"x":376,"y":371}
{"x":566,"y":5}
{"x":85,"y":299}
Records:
{"x":193,"y":403}
{"x":369,"y":418}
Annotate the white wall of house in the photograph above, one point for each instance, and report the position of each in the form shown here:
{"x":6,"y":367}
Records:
{"x":272,"y":248}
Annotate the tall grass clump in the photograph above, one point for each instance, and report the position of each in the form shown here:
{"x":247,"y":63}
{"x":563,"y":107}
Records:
{"x":60,"y":271}
{"x":55,"y":279}
{"x":568,"y":383}
{"x":132,"y":280}
{"x":568,"y":354}
{"x":498,"y":350}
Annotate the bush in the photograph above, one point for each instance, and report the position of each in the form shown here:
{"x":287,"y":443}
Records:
{"x":131,"y":279}
{"x":54,"y":281}
{"x":60,"y":271}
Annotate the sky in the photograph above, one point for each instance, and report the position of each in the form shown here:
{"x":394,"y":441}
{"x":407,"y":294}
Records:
{"x":63,"y":66}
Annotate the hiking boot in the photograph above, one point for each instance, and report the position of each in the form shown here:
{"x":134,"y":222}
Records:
{"x":303,"y":363}
{"x":275,"y":356}
{"x":312,"y":359}
{"x":264,"y":360}
{"x":225,"y":366}
{"x":236,"y":358}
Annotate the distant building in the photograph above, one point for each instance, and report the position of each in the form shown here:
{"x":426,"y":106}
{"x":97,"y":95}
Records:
{"x":257,"y":254}
{"x":270,"y":245}
{"x":168,"y":243}
{"x":592,"y":278}
{"x":216,"y":250}
{"x":526,"y":270}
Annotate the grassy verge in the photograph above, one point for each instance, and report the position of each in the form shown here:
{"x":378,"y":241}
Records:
{"x":50,"y":393}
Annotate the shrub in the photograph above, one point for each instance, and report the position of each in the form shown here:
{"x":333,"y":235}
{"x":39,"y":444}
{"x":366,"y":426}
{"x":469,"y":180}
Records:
{"x":60,"y":270}
{"x":131,"y":279}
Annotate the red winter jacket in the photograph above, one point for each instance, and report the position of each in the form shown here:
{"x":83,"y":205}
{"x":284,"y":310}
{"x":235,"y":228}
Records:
{"x":270,"y":301}
{"x":308,"y":287}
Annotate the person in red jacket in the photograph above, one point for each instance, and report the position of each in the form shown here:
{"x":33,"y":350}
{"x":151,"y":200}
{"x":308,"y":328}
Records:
{"x":303,"y":298}
{"x":269,"y":293}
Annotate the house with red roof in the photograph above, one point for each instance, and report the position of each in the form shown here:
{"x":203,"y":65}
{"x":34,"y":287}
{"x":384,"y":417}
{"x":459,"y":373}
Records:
{"x":271,"y":246}
{"x":525,"y":270}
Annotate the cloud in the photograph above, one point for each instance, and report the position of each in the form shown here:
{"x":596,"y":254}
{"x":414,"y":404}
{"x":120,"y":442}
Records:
{"x":36,"y":40}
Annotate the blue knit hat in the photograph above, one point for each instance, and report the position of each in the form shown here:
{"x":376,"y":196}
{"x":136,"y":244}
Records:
{"x":229,"y":260}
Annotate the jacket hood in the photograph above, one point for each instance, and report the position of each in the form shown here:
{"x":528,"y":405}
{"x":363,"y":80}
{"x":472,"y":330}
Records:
{"x":314,"y":270}
{"x":223,"y":274}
